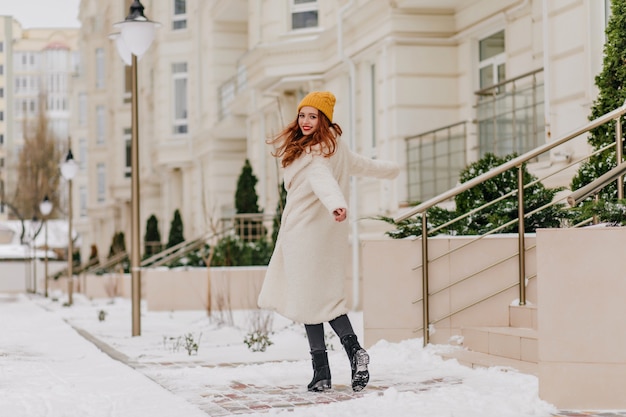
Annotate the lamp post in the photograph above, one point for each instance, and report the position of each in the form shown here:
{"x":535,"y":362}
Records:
{"x":33,"y":228}
{"x":135,"y":36}
{"x":45,"y":207}
{"x":68,"y":171}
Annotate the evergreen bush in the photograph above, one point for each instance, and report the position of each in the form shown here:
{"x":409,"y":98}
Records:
{"x":496,"y":215}
{"x":610,"y":83}
{"x":246,"y":202}
{"x":152,"y":238}
{"x":118,"y":245}
{"x":176,"y":230}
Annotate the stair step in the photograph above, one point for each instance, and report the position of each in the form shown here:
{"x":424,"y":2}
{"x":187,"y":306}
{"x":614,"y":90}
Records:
{"x":483,"y":360}
{"x":523,"y":316}
{"x":508,"y":342}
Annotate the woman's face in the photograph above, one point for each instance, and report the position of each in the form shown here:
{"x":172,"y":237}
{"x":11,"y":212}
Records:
{"x":308,"y":119}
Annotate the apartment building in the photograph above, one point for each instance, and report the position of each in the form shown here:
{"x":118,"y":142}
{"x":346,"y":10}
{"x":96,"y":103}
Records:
{"x":36,"y":67}
{"x":432,"y":84}
{"x":6,"y":38}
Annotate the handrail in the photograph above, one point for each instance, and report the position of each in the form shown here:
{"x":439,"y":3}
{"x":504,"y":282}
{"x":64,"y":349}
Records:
{"x":428,"y":132}
{"x":167,"y":252}
{"x":510,"y":164}
{"x":112,"y":261}
{"x":596,"y":185}
{"x":486,"y":91}
{"x":518,"y":164}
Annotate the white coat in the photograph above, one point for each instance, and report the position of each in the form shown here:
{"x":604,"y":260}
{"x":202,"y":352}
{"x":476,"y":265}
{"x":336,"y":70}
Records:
{"x":305,"y":279}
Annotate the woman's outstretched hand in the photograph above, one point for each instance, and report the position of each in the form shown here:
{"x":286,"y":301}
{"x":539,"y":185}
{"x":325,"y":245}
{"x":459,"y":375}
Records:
{"x":340,"y":214}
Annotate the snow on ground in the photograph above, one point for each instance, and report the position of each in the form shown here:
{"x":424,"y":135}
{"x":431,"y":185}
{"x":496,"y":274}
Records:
{"x":47,"y":369}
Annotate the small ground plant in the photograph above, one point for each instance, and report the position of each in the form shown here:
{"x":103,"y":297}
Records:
{"x":187,"y":341}
{"x":258,"y":339}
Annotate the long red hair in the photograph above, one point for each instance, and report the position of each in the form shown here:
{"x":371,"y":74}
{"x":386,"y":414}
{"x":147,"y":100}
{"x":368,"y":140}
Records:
{"x":291,"y":143}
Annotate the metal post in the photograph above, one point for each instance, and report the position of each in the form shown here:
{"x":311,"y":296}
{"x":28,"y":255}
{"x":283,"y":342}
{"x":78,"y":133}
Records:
{"x":45,"y":278}
{"x":520,"y":234}
{"x":34,"y":267}
{"x":135,"y":271}
{"x":70,"y":251}
{"x":425,"y":314}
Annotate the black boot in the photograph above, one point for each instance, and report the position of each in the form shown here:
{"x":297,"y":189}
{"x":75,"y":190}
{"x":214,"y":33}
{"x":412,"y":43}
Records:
{"x":321,"y":372}
{"x":359,"y":359}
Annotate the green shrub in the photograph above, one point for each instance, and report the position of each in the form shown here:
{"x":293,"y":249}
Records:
{"x":496,"y":215}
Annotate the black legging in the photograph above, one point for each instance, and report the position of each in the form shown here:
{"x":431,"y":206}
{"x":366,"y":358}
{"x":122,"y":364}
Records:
{"x":315,"y":332}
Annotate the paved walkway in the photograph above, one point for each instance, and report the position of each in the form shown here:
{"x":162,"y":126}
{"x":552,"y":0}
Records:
{"x":241,"y":398}
{"x":216,"y":400}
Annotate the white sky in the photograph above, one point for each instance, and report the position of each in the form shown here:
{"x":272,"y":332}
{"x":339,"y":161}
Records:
{"x":42,"y":13}
{"x":48,"y":369}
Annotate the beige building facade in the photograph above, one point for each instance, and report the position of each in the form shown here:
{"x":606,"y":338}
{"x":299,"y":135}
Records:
{"x":432,"y":84}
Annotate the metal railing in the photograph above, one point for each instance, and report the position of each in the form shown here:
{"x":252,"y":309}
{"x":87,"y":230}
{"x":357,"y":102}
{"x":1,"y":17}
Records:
{"x":510,"y":116}
{"x":516,"y":163}
{"x":434,"y":160}
{"x":249,"y":227}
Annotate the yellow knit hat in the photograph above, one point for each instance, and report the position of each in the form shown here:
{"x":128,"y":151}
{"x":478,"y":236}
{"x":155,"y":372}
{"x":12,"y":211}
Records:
{"x":324,"y":101}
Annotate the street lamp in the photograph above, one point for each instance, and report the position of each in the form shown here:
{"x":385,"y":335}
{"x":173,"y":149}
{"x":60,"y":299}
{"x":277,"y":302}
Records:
{"x":68,"y":171}
{"x":33,"y":232}
{"x":45,"y":207}
{"x":136,"y":34}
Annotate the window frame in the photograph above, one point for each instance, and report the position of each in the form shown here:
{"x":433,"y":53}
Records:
{"x":128,"y":164}
{"x":300,"y":8}
{"x":179,"y":18}
{"x":496,"y":62}
{"x":100,"y":69}
{"x":101,"y":182}
{"x":100,"y":125}
{"x":180,"y":126}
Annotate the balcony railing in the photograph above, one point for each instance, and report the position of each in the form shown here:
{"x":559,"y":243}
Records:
{"x":229,"y":90}
{"x":434,"y":160}
{"x":510,"y":115}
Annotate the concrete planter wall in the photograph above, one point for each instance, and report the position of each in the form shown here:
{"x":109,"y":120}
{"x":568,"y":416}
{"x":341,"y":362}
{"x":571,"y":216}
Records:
{"x":392,"y":285}
{"x":581,"y":312}
{"x":180,"y":289}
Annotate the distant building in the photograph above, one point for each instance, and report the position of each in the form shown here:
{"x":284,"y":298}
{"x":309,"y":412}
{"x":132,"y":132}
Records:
{"x":36,"y":67}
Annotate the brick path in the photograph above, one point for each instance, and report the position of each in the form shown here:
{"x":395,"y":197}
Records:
{"x":241,"y":398}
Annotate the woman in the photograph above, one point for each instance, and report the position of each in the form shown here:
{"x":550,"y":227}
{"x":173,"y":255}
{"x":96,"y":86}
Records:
{"x":305,"y":277}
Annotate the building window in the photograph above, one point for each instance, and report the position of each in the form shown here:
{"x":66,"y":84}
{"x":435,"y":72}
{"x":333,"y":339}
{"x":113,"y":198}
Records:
{"x":492,"y":57}
{"x":179,"y":17}
{"x":179,"y":77}
{"x":304,"y":14}
{"x":100,"y":125}
{"x":1,"y":46}
{"x":1,"y":69}
{"x":99,"y":68}
{"x":1,"y":92}
{"x":1,"y":138}
{"x":101,"y":178}
{"x":1,"y":116}
{"x":82,"y":192}
{"x":82,"y":154}
{"x":127,"y":153}
{"x":128,"y":83}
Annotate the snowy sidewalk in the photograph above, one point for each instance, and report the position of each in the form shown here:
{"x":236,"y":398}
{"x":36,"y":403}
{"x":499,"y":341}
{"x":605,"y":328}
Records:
{"x":48,"y":370}
{"x":94,"y":368}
